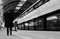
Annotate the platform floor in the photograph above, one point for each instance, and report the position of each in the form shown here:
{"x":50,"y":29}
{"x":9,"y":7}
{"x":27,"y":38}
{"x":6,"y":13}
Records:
{"x":25,"y":34}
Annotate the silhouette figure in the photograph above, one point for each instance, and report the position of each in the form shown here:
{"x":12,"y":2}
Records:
{"x":15,"y":25}
{"x":8,"y":18}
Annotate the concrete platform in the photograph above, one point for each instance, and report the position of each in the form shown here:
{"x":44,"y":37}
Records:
{"x":25,"y":34}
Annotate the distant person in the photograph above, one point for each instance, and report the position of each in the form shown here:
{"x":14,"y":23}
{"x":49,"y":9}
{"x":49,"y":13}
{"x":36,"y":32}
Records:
{"x":8,"y":18}
{"x":15,"y":25}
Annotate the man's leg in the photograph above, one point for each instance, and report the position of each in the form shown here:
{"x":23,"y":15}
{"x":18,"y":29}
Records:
{"x":10,"y":30}
{"x":15,"y":28}
{"x":7,"y":31}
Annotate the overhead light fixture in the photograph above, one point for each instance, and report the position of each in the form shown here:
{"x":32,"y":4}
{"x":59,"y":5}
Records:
{"x":17,"y":8}
{"x":23,"y":0}
{"x":19,"y":4}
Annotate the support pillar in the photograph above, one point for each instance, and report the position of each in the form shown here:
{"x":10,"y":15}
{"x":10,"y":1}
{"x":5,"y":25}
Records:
{"x":24,"y":25}
{"x":34,"y":24}
{"x":45,"y":23}
{"x":28,"y":25}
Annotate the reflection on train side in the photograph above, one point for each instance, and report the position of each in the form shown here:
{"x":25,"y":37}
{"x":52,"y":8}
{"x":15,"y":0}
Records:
{"x":32,"y":25}
{"x":53,"y":23}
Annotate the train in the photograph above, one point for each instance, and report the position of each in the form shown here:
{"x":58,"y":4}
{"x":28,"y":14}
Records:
{"x":35,"y":19}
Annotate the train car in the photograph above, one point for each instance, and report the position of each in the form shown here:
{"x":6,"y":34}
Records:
{"x":47,"y":8}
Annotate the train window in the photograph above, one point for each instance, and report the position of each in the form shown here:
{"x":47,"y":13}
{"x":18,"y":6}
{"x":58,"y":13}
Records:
{"x":52,"y":18}
{"x":31,"y":23}
{"x":26,"y":24}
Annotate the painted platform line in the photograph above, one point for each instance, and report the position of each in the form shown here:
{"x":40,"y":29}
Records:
{"x":24,"y":37}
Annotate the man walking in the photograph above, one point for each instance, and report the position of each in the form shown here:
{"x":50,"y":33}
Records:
{"x":15,"y":25}
{"x":8,"y":18}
